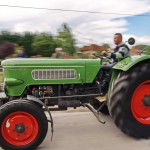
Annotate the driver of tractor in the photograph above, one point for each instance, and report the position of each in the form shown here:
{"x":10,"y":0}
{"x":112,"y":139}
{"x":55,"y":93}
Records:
{"x":120,"y":51}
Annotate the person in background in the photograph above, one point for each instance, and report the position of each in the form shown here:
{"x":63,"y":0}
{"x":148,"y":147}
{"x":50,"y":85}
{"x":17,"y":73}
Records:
{"x":22,"y":53}
{"x":58,"y":53}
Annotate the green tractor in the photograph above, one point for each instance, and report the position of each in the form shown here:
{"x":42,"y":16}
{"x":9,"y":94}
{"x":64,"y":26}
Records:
{"x":32,"y":86}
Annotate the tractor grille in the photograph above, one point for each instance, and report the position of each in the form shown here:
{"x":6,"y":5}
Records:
{"x":53,"y":74}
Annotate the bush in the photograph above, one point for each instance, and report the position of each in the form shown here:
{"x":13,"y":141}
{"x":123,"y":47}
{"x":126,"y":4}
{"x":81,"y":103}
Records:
{"x":6,"y":49}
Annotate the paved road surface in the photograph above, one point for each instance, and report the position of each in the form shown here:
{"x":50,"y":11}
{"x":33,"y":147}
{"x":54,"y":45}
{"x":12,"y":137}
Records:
{"x":75,"y":130}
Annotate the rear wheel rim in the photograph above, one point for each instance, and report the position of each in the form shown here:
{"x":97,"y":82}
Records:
{"x":141,"y":112}
{"x":19,"y":128}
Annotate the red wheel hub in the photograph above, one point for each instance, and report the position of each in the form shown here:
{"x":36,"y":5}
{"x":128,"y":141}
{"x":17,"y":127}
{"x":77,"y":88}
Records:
{"x":19,"y":128}
{"x":140,"y":111}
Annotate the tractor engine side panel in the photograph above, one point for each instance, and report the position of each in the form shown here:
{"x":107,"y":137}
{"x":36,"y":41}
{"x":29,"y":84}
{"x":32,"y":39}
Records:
{"x":21,"y":73}
{"x":17,"y":79}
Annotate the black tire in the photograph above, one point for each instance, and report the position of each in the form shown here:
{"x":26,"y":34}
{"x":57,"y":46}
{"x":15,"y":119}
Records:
{"x":96,"y":104}
{"x":23,"y":109}
{"x":1,"y":102}
{"x":121,"y":99}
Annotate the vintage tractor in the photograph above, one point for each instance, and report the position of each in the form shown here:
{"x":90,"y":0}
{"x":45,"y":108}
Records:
{"x":31,"y":86}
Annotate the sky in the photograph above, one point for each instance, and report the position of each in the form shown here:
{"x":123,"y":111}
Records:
{"x":87,"y":28}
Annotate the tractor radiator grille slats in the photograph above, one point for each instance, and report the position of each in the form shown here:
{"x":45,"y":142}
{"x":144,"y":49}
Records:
{"x":53,"y":74}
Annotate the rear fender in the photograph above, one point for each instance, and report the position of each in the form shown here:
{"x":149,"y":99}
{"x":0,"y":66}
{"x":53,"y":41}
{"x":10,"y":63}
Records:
{"x":129,"y":62}
{"x":125,"y":65}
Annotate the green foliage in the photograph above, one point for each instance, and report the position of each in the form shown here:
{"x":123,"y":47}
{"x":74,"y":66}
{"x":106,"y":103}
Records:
{"x":6,"y":49}
{"x":23,"y":40}
{"x":99,"y":52}
{"x":26,"y":41}
{"x":43,"y":44}
{"x":65,"y":40}
{"x":146,"y":48}
{"x":106,"y":46}
{"x":6,"y":36}
{"x":141,"y":47}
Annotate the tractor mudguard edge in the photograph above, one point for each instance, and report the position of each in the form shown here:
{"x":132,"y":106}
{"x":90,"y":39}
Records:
{"x":32,"y":98}
{"x":129,"y":62}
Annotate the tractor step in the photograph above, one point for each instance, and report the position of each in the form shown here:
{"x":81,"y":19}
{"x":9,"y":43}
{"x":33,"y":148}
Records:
{"x":101,"y":98}
{"x":95,"y":112}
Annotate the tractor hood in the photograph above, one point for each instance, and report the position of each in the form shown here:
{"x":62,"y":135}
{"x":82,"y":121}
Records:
{"x":36,"y":62}
{"x":20,"y":73}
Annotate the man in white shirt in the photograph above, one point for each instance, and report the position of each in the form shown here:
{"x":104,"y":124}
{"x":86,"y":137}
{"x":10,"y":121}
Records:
{"x":120,"y":51}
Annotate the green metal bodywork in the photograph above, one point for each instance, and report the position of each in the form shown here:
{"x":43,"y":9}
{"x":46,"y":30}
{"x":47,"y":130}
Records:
{"x":129,"y":62}
{"x":18,"y":72}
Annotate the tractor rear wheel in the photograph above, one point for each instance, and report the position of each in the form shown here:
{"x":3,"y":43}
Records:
{"x":23,"y":125}
{"x":129,"y":102}
{"x":1,"y":102}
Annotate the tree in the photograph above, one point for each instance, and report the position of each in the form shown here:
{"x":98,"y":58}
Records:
{"x":106,"y":46}
{"x":141,"y":47}
{"x":6,"y":49}
{"x":65,"y":39}
{"x":26,"y":41}
{"x":6,"y":36}
{"x":43,"y":44}
{"x":146,"y":48}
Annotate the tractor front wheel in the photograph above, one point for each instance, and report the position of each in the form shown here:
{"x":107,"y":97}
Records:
{"x":23,"y":125}
{"x":129,"y":102}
